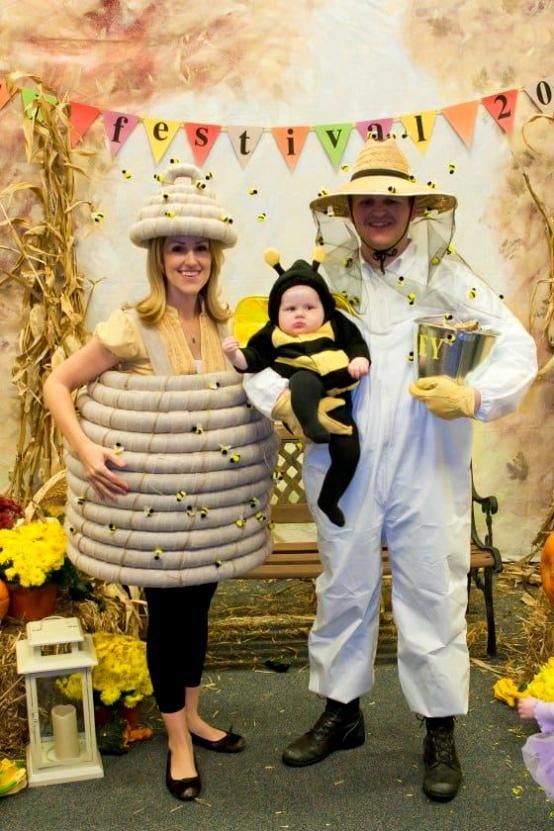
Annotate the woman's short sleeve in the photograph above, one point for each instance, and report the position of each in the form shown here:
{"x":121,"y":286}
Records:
{"x":120,"y":335}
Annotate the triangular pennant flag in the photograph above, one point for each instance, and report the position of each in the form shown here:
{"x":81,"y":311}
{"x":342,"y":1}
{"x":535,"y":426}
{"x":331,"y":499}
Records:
{"x":379,"y":128}
{"x":502,"y":107}
{"x":541,"y":94}
{"x":119,"y":127}
{"x":201,"y":139}
{"x":419,"y":127}
{"x":290,"y":141}
{"x":461,"y":118}
{"x":160,"y":134}
{"x":29,"y":97}
{"x":244,"y":141}
{"x":5,"y":92}
{"x":334,"y":138}
{"x":81,"y":117}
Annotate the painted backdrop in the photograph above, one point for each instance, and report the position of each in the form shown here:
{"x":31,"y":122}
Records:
{"x":249,"y":67}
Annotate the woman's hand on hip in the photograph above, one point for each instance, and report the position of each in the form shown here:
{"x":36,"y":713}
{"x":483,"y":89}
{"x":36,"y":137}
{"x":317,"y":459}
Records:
{"x":95,"y":460}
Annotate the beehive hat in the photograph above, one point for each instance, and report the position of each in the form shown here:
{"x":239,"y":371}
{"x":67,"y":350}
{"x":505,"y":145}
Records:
{"x":184,"y":206}
{"x":382,"y":169}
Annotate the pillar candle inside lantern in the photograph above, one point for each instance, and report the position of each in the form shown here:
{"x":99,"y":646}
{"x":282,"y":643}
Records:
{"x":64,"y":728}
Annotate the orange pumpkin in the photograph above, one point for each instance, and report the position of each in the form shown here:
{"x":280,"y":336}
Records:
{"x":547,"y":567}
{"x":4,"y":600}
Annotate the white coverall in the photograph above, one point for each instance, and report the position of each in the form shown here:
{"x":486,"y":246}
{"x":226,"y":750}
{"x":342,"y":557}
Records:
{"x":412,"y":490}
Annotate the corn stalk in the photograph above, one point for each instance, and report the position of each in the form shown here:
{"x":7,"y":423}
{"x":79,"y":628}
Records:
{"x":42,"y":253}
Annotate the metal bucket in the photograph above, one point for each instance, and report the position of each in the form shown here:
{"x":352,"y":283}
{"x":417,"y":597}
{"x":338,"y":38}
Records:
{"x":445,"y":350}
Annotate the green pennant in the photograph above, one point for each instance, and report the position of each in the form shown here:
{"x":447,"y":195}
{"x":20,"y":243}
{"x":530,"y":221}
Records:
{"x":29,"y":98}
{"x":334,"y":138}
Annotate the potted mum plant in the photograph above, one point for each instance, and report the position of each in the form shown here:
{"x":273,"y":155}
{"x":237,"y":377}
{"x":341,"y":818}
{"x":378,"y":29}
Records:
{"x":33,"y":565}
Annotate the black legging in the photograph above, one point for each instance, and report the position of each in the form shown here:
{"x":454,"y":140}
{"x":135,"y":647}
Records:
{"x":177,"y":640}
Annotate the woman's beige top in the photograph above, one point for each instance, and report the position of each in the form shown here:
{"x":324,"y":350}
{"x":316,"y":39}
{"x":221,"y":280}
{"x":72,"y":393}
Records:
{"x":120,"y":335}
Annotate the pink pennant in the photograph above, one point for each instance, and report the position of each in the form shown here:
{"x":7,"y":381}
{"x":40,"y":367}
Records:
{"x":119,"y":127}
{"x":201,"y":139}
{"x":82,"y":116}
{"x":502,"y":107}
{"x":378,"y":127}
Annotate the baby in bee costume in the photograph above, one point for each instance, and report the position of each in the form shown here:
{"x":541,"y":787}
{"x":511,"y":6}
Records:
{"x":321,"y":352}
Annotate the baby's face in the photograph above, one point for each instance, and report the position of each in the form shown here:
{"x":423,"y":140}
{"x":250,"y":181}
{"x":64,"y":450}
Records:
{"x":300,"y":311}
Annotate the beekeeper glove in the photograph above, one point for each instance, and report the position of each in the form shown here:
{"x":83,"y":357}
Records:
{"x":282,"y":411}
{"x":444,"y":397}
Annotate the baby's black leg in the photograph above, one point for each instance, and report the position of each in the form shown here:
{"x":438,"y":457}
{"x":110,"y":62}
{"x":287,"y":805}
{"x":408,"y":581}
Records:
{"x":306,"y":391}
{"x":345,"y":453}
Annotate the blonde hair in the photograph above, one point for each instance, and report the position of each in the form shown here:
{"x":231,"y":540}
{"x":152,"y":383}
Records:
{"x":152,"y":308}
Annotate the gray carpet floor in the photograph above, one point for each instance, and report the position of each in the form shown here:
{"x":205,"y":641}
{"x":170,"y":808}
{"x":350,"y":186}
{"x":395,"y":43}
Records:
{"x":377,"y":786}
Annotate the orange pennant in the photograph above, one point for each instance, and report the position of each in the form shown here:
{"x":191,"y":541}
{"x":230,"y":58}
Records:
{"x":201,"y":139}
{"x":502,"y":107}
{"x":461,"y":118}
{"x":5,"y":93}
{"x":290,"y":141}
{"x":82,"y":116}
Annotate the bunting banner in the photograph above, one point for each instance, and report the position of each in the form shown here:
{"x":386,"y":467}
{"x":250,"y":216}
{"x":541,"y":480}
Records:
{"x":290,"y":140}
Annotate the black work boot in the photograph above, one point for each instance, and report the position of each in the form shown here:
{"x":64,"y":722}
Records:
{"x":443,"y":774}
{"x":340,"y":727}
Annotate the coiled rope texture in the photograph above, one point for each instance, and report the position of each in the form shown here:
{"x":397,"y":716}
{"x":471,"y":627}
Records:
{"x":199,"y":464}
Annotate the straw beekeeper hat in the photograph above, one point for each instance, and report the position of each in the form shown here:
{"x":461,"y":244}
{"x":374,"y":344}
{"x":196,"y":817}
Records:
{"x":184,"y":206}
{"x":382,"y":169}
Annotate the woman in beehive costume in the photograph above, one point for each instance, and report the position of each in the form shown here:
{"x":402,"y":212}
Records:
{"x":168,"y":468}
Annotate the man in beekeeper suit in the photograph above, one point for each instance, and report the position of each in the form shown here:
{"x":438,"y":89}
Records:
{"x":388,"y":239}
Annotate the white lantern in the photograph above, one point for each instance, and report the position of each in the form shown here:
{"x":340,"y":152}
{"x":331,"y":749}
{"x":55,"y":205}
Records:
{"x":62,"y":746}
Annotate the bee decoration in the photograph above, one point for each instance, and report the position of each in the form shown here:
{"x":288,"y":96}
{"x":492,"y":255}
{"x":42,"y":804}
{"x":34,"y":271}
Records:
{"x":175,"y":161}
{"x":112,"y":528}
{"x":158,"y":552}
{"x":391,"y":189}
{"x":170,"y":214}
{"x":224,"y":448}
{"x":200,"y":185}
{"x":180,"y":495}
{"x":252,"y":191}
{"x":235,"y":458}
{"x":214,"y":385}
{"x":451,"y":168}
{"x":411,"y":356}
{"x":254,"y":502}
{"x":260,"y":516}
{"x":80,"y":500}
{"x":240,"y":522}
{"x":261,"y":217}
{"x":249,"y":405}
{"x":411,"y":298}
{"x":404,"y":135}
{"x":472,"y":294}
{"x":277,"y":476}
{"x":198,"y":429}
{"x":127,"y":173}
{"x":71,"y":529}
{"x":345,"y":168}
{"x":190,"y":511}
{"x":271,"y":525}
{"x":320,"y":240}
{"x":448,"y":316}
{"x":355,"y":301}
{"x":451,"y":248}
{"x":411,"y":177}
{"x":299,"y":446}
{"x":435,"y":260}
{"x":227,"y":219}
{"x":322,"y":192}
{"x":165,"y":196}
{"x":431,"y":184}
{"x":98,"y":217}
{"x":118,"y":448}
{"x":400,"y":281}
{"x":209,"y":175}
{"x":148,"y":511}
{"x":451,"y":338}
{"x":218,"y":563}
{"x":426,"y":213}
{"x":348,"y":263}
{"x":203,"y":512}
{"x":159,"y":177}
{"x":501,"y":296}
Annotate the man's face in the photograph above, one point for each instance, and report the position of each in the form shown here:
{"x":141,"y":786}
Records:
{"x":381,"y":221}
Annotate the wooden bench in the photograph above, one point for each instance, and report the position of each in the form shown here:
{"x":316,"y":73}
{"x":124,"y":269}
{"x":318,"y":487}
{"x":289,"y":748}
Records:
{"x":300,"y":558}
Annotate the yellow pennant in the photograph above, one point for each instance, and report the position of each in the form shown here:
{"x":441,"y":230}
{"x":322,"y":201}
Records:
{"x":161,"y":133}
{"x":419,"y":127}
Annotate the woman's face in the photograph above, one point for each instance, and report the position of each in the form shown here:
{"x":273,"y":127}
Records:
{"x":381,"y":221}
{"x":187,"y":264}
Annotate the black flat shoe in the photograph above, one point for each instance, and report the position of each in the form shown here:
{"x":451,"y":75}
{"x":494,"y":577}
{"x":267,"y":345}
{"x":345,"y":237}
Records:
{"x":184,"y":789}
{"x":229,"y":743}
